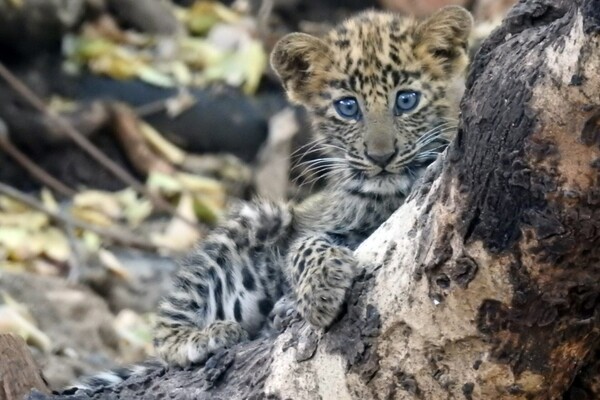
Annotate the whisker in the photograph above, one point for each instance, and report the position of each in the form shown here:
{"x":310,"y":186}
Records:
{"x":318,"y":169}
{"x":423,"y":144}
{"x":321,"y":159}
{"x":326,"y":171}
{"x":315,"y":146}
{"x":332,"y":146}
{"x":411,"y":172}
{"x":312,"y":143}
{"x":313,"y":163}
{"x":434,"y":134}
{"x":437,"y":131}
{"x":439,"y":126}
{"x":442,"y":146}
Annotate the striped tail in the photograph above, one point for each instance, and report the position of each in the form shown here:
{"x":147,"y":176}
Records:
{"x":113,"y":377}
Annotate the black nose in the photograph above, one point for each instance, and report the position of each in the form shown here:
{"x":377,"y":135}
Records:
{"x":381,"y":158}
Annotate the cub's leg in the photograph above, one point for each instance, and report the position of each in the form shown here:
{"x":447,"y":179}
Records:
{"x":320,"y":272}
{"x":226,"y":288}
{"x":188,"y":344}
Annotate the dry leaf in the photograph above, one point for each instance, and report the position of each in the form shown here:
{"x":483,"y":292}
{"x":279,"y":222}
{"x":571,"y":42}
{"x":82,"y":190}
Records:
{"x":154,"y":77}
{"x":15,"y":318}
{"x":60,"y":104}
{"x":112,"y":263}
{"x":199,"y":53}
{"x":176,"y":106}
{"x":91,"y":241}
{"x":163,"y":183}
{"x":104,"y":202}
{"x":135,"y":209}
{"x":231,"y":55}
{"x":54,"y":245}
{"x":179,"y":235}
{"x":244,"y":67}
{"x":165,"y":148}
{"x":92,"y":216}
{"x":48,"y":200}
{"x":30,"y":220}
{"x":208,"y":195}
{"x":203,"y":15}
{"x":18,"y":244}
{"x":9,"y":204}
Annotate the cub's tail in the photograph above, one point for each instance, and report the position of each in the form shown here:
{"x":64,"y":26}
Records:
{"x":113,"y":377}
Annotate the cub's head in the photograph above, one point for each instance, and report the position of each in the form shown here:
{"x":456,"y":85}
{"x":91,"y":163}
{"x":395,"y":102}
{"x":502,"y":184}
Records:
{"x":383,"y":91}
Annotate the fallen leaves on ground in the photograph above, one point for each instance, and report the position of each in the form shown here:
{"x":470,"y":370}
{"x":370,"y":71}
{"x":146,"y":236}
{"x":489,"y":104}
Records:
{"x":31,"y":240}
{"x":220,"y":45}
{"x":16,"y":318}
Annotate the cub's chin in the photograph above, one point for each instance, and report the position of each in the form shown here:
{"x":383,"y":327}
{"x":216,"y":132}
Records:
{"x":385,"y":183}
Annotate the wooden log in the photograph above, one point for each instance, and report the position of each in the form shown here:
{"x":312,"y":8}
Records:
{"x":19,"y":373}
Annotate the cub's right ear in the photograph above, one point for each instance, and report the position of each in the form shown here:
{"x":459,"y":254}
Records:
{"x":442,"y":40}
{"x":299,"y":59}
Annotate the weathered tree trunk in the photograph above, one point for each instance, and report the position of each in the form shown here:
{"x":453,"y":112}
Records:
{"x":18,"y":371}
{"x":486,"y":283}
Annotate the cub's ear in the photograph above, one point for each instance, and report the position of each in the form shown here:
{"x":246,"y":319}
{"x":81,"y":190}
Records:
{"x":298,"y":59}
{"x":443,"y":39}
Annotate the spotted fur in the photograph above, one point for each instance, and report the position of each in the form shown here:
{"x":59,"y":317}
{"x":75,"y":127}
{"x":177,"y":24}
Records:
{"x":226,"y":289}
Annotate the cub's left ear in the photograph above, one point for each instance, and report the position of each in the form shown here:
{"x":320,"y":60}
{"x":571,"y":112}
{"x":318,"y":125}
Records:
{"x":299,"y":60}
{"x":443,"y":39}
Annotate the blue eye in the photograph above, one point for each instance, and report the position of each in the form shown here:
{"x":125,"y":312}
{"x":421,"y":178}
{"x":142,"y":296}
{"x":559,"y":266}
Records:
{"x":347,"y":108}
{"x":406,"y":101}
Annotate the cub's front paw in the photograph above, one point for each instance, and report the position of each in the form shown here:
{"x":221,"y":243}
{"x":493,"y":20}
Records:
{"x":224,"y":334}
{"x":283,"y":314}
{"x":183,"y":346}
{"x":322,"y":288}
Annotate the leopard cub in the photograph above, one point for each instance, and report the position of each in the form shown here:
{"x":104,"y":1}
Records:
{"x":383,"y":93}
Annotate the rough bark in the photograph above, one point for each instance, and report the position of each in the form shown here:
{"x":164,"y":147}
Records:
{"x":18,"y":372}
{"x":486,"y":283}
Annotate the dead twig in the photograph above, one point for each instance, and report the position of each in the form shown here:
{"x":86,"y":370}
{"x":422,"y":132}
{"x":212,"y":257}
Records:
{"x":117,"y":235}
{"x":76,"y":257}
{"x":87,"y":145}
{"x":263,"y":15}
{"x":30,"y":166}
{"x":127,"y":130}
